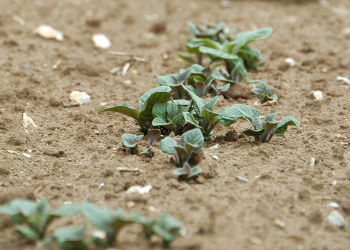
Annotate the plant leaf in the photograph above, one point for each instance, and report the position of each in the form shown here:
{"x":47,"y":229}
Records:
{"x":159,"y":110}
{"x":208,"y":43}
{"x":167,"y":145}
{"x":185,"y":57}
{"x":72,"y":238}
{"x":250,"y":114}
{"x":66,"y":210}
{"x":124,"y":108}
{"x":229,"y":115}
{"x":256,"y":133}
{"x":264,"y":93}
{"x":130,"y":140}
{"x":153,"y":135}
{"x":27,"y":232}
{"x":217,"y":53}
{"x":146,"y":96}
{"x":246,"y":37}
{"x":194,"y":137}
{"x":179,"y":171}
{"x":283,"y":125}
{"x":270,"y":117}
{"x":99,"y":217}
{"x":239,"y":73}
{"x":189,"y":118}
{"x":211,"y":103}
{"x":195,"y":171}
{"x":197,"y":100}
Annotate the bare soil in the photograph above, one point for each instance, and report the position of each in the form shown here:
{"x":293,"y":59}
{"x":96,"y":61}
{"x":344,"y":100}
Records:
{"x":284,"y":203}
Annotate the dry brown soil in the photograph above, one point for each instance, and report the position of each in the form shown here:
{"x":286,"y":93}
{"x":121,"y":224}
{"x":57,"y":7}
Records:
{"x":284,"y":203}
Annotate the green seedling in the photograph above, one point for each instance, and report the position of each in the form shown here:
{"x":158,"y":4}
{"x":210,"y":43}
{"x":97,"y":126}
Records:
{"x":148,"y":153}
{"x":263,"y":92}
{"x":169,"y":228}
{"x":110,"y":222}
{"x":190,"y":142}
{"x":217,"y":32}
{"x":153,"y":135}
{"x":206,"y":117}
{"x":169,"y":116}
{"x":175,"y":81}
{"x":33,"y":218}
{"x":264,"y":130}
{"x":72,"y":238}
{"x":143,"y":116}
{"x":130,"y":141}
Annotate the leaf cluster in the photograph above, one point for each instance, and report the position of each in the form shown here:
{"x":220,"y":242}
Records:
{"x":218,"y":43}
{"x":32,"y":219}
{"x":264,"y":93}
{"x":264,"y":130}
{"x":191,"y":142}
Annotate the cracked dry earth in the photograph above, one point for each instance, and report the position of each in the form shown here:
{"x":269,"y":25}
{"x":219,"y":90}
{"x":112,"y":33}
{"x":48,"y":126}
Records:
{"x":284,"y":204}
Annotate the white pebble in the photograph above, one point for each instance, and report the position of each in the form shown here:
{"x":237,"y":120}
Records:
{"x":312,"y":162}
{"x":48,"y":32}
{"x":79,"y":97}
{"x":336,"y":219}
{"x":346,"y":31}
{"x":317,"y":95}
{"x":345,"y":79}
{"x":101,"y":41}
{"x":215,"y":146}
{"x":333,"y":204}
{"x":290,"y":61}
{"x":101,"y":185}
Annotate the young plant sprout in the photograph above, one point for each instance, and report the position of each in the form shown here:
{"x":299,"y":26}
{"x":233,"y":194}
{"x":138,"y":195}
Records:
{"x":263,"y":92}
{"x":175,"y":81}
{"x":33,"y":218}
{"x":143,"y":116}
{"x":190,"y":142}
{"x":206,"y":117}
{"x":110,"y":222}
{"x":130,"y":141}
{"x":153,"y":135}
{"x":169,"y":116}
{"x":72,"y":238}
{"x":264,"y":130}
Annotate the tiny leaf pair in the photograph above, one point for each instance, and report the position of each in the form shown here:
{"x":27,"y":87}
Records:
{"x":264,"y":130}
{"x":264,"y":93}
{"x":190,"y":142}
{"x":130,"y":141}
{"x":72,"y":238}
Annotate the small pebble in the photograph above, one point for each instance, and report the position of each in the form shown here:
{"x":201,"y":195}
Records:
{"x":101,"y":41}
{"x":241,"y":178}
{"x":312,"y":162}
{"x":216,"y":157}
{"x":101,"y":185}
{"x":333,"y":204}
{"x":215,"y":146}
{"x":344,"y":79}
{"x":290,"y":61}
{"x":336,"y":219}
{"x":317,"y":95}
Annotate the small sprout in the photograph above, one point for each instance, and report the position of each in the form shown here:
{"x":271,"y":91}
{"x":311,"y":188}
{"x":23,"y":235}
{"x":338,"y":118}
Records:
{"x":106,"y":220}
{"x":264,"y":93}
{"x":148,"y":153}
{"x":153,"y":135}
{"x":190,"y":142}
{"x":264,"y":130}
{"x":72,"y":238}
{"x":130,"y":141}
{"x":143,"y":116}
{"x":33,"y":218}
{"x":206,"y":117}
{"x":169,"y":228}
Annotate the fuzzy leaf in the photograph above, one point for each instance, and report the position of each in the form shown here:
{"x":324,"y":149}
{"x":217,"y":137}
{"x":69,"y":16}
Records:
{"x":72,"y":238}
{"x":189,"y":118}
{"x":217,"y":53}
{"x":250,"y":114}
{"x":27,"y":232}
{"x":193,"y":137}
{"x":270,"y":117}
{"x":211,"y":103}
{"x":216,"y":75}
{"x":168,"y":80}
{"x":124,"y":108}
{"x":158,"y":122}
{"x":159,"y":110}
{"x":282,"y":125}
{"x":179,"y":171}
{"x":167,"y":145}
{"x":195,"y":171}
{"x":264,"y":93}
{"x":130,"y":140}
{"x":208,"y":43}
{"x":66,"y":210}
{"x":239,"y":73}
{"x":99,"y":217}
{"x":144,"y":98}
{"x":197,"y":100}
{"x":209,"y":120}
{"x":185,"y":57}
{"x":229,"y":115}
{"x":246,"y":37}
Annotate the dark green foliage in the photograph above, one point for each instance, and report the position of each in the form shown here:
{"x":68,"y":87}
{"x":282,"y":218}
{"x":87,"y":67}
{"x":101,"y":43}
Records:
{"x":264,"y":130}
{"x":264,"y":93}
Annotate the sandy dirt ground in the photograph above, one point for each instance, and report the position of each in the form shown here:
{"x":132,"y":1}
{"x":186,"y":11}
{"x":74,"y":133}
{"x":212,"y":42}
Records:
{"x":284,"y":204}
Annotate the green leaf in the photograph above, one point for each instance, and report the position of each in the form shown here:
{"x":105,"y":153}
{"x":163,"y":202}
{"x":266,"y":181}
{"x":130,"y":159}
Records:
{"x":182,"y":155}
{"x":208,"y":43}
{"x":181,"y":102}
{"x":194,"y":137}
{"x":147,"y":95}
{"x":99,"y":217}
{"x":192,"y":47}
{"x":270,"y":117}
{"x":211,"y":103}
{"x":27,"y":232}
{"x":159,"y":110}
{"x":172,"y":111}
{"x":180,"y":171}
{"x":185,"y":57}
{"x":195,"y":171}
{"x":124,"y":108}
{"x":246,"y":37}
{"x":209,"y":120}
{"x":197,"y":100}
{"x":217,"y":53}
{"x":168,"y":80}
{"x":250,"y":114}
{"x":158,"y":122}
{"x":169,"y":228}
{"x":264,"y":93}
{"x":189,"y":118}
{"x":72,"y":238}
{"x":130,"y":140}
{"x":283,"y":125}
{"x":167,"y":145}
{"x":200,"y":88}
{"x":216,"y":75}
{"x":255,"y":133}
{"x":147,"y":153}
{"x":239,"y":73}
{"x":17,"y":206}
{"x":67,"y":210}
